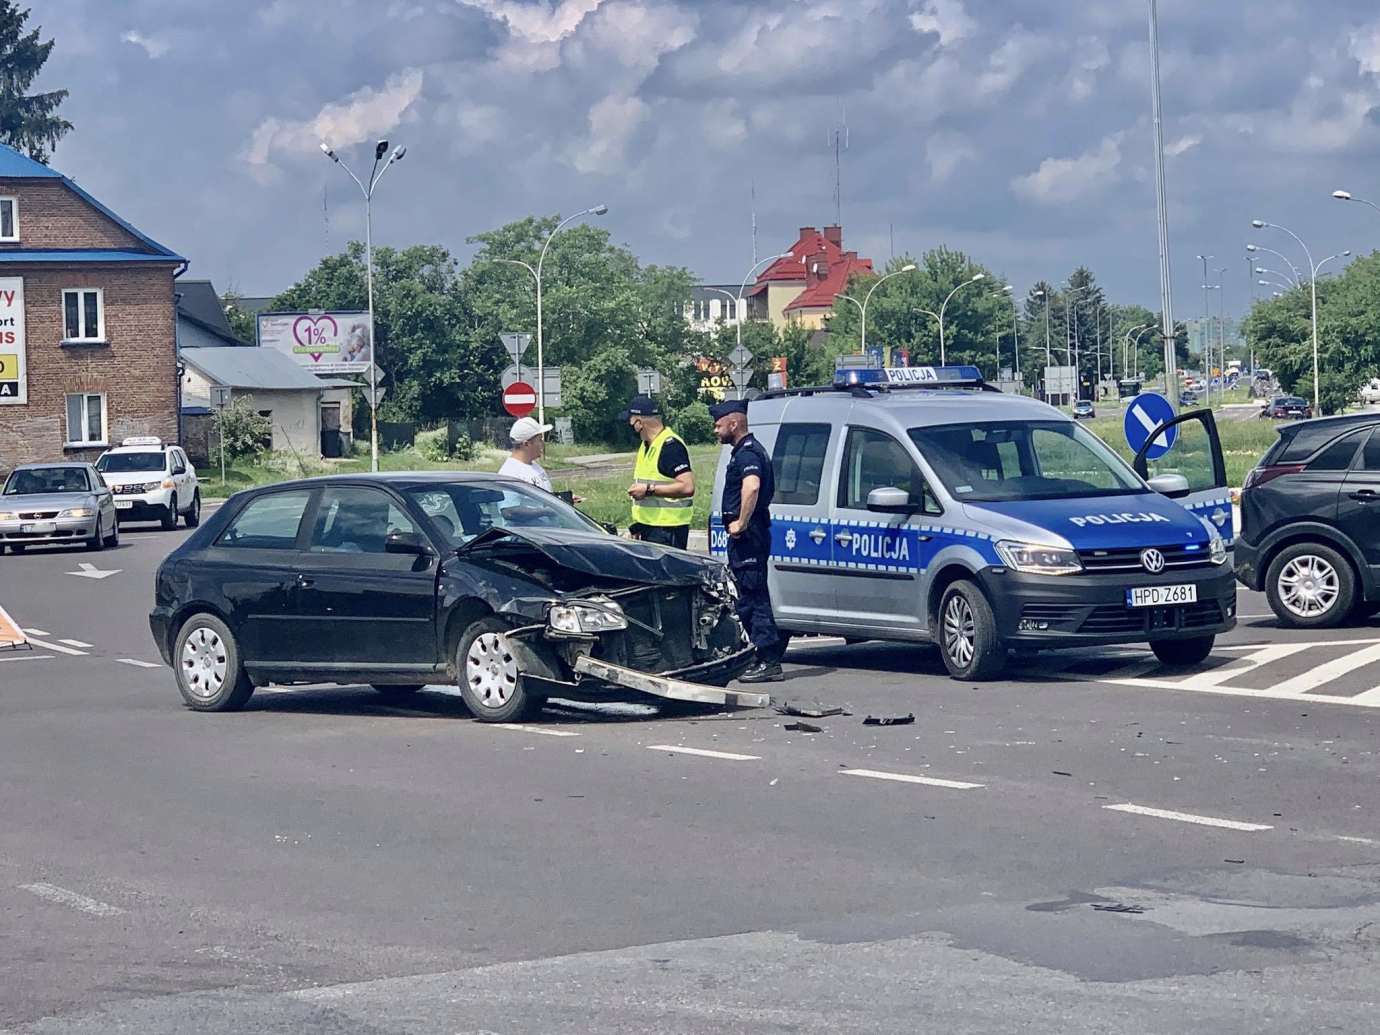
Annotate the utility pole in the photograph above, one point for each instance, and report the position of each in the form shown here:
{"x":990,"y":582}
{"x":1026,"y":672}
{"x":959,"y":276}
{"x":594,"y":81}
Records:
{"x":1171,"y":366}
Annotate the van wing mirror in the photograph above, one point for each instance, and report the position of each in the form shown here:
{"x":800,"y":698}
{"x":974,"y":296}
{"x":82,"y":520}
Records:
{"x":890,"y":500}
{"x":1171,"y":485}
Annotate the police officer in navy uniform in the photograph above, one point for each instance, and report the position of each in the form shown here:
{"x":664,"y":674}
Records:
{"x":749,"y":486}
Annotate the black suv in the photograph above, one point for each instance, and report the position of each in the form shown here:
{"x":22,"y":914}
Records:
{"x":1310,"y":521}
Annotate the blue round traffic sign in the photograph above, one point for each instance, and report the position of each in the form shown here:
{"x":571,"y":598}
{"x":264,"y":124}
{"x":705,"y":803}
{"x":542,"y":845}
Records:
{"x":1145,"y":413}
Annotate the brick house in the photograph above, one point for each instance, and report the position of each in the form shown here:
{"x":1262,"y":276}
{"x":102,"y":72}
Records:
{"x":87,"y":328}
{"x":800,"y":287}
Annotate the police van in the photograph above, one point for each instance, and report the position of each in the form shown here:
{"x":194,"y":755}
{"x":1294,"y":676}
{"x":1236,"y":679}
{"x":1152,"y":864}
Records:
{"x":920,"y":504}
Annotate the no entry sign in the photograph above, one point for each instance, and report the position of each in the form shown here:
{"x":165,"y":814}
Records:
{"x":519,"y":398}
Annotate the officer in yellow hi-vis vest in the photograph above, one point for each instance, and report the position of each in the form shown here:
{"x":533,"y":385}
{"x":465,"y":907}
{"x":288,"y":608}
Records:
{"x":663,"y":488}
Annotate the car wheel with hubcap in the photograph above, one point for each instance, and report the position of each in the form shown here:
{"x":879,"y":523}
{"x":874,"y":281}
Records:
{"x":1183,"y":652}
{"x":491,"y":682}
{"x":968,"y":639}
{"x":113,"y":539}
{"x":170,"y":516}
{"x":207,"y":661}
{"x":1310,"y":586}
{"x":98,"y":537}
{"x":193,"y":517}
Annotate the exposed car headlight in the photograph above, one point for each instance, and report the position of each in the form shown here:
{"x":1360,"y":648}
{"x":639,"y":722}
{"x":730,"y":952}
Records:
{"x":1217,"y":549}
{"x":8,"y":515}
{"x":152,"y":486}
{"x":78,"y":512}
{"x":591,"y":617}
{"x":1039,"y":560}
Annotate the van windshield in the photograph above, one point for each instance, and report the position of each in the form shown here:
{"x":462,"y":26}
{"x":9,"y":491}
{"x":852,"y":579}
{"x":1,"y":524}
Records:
{"x":992,"y":461}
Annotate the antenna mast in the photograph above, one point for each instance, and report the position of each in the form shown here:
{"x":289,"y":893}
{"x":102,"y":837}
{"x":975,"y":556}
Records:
{"x":838,"y":140}
{"x":754,"y":222}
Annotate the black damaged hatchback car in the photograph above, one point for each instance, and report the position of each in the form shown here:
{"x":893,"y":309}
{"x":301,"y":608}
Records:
{"x":404,"y":580}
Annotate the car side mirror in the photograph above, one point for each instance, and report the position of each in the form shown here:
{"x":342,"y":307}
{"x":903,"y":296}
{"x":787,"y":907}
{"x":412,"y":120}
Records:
{"x":1171,"y":485}
{"x":406,"y":542}
{"x":609,"y":527}
{"x":890,"y":500}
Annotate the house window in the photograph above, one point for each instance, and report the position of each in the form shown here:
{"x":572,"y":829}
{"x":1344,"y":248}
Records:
{"x":86,"y":420}
{"x":9,"y":219}
{"x":83,"y":314}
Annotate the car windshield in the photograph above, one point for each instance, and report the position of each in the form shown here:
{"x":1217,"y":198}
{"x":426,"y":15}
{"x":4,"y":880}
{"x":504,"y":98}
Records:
{"x":129,"y":463}
{"x":462,"y":510}
{"x":993,"y":461}
{"x":46,"y":480}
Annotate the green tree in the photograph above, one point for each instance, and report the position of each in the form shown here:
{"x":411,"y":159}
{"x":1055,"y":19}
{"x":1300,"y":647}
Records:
{"x":593,"y":393}
{"x":29,"y":122}
{"x":242,"y":324}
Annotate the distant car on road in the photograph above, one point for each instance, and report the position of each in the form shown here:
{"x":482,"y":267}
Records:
{"x":46,"y":504}
{"x":1083,"y":410}
{"x":401,"y":580}
{"x":1288,"y":407}
{"x":1370,"y":392}
{"x":1188,"y":397}
{"x":1309,"y":533}
{"x":152,"y":482}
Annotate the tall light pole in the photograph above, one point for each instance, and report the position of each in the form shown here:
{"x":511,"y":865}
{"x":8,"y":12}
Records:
{"x":596,"y":210}
{"x":1010,"y":291}
{"x":743,"y":286}
{"x":375,"y":174}
{"x":908,"y":268}
{"x":737,"y":313}
{"x":1205,"y":331}
{"x":1138,"y":330}
{"x":1346,"y":195}
{"x":1297,"y":278}
{"x":943,"y":354}
{"x":1313,"y":269}
{"x":1171,"y":363}
{"x":1222,"y":336}
{"x":1070,"y":337}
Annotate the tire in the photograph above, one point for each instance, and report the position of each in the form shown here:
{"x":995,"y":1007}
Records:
{"x":170,"y":518}
{"x":18,"y":548}
{"x":206,"y":660}
{"x":193,"y":516}
{"x":397,"y":694}
{"x":97,"y":540}
{"x":1182,"y":653}
{"x":967,"y":634}
{"x":490,"y":681}
{"x":1310,"y":586}
{"x":113,"y":540}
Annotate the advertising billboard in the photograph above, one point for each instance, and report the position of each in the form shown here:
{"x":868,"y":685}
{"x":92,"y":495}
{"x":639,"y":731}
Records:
{"x":14,"y":379}
{"x":324,"y":343}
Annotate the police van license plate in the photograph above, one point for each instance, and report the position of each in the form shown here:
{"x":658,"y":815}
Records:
{"x":1161,"y":596}
{"x":124,"y":504}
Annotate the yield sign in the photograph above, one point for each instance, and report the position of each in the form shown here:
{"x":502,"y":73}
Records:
{"x":519,"y":398}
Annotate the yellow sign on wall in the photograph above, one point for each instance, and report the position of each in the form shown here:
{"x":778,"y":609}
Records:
{"x":13,"y":376}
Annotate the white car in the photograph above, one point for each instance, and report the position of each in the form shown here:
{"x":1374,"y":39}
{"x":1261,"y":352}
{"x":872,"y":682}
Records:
{"x":1370,"y":392}
{"x":152,"y":482}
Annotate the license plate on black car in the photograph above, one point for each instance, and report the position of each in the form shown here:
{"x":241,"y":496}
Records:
{"x":1161,"y":596}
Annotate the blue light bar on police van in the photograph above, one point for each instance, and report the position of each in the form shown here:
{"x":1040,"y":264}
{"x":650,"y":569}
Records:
{"x":938,"y":376}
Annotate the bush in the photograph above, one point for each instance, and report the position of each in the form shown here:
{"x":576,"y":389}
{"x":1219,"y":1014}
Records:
{"x":243,"y":432}
{"x":437,"y":447}
{"x":595,"y":392}
{"x":693,"y":424}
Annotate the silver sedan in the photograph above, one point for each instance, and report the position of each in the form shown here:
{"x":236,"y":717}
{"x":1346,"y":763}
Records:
{"x":45,"y":504}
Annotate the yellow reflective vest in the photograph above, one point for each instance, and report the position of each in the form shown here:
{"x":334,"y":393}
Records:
{"x":656,"y":510}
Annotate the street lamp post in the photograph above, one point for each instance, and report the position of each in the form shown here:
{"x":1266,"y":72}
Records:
{"x":973,"y":280}
{"x":1313,"y":268}
{"x":737,"y":315}
{"x":1297,"y":277}
{"x":1010,"y":290}
{"x":908,"y":268}
{"x":375,"y":174}
{"x":1134,"y":365}
{"x":597,"y":210}
{"x":1346,"y":195}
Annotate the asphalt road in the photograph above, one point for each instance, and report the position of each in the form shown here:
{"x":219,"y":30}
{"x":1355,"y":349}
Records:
{"x":1093,"y":845}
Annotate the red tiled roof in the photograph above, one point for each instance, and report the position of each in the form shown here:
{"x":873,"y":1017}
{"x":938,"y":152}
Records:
{"x":813,"y":247}
{"x":820,"y":294}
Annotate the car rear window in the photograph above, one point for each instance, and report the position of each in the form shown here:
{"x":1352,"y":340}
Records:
{"x":1296,"y":446}
{"x":1338,"y":455}
{"x":798,"y":463}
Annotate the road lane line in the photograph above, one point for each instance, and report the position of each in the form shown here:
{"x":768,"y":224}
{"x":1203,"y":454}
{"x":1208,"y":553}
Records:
{"x":37,"y":632}
{"x":1358,"y":840}
{"x":928,"y":781}
{"x":76,"y":643}
{"x":727,"y":756}
{"x":1187,"y":817}
{"x":533,"y":729}
{"x":28,"y":657}
{"x":1328,"y":671}
{"x":63,"y":897}
{"x":58,"y":648}
{"x":137,"y":663}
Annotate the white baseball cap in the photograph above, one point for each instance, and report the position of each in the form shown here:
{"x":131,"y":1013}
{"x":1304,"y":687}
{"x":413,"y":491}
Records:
{"x":525,"y":428}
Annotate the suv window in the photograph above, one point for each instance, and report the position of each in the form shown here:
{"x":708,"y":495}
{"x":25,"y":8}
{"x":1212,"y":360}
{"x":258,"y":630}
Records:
{"x":351,"y":519}
{"x":1338,"y":456}
{"x":875,"y":460}
{"x":268,"y":523}
{"x":1300,"y":445}
{"x":798,"y":462}
{"x":1370,"y":457}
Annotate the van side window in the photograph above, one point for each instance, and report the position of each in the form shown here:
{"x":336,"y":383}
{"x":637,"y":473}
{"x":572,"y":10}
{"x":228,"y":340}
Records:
{"x":798,"y":463}
{"x":875,"y":460}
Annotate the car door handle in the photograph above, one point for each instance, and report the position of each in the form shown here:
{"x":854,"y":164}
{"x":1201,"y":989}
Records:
{"x":843,"y":538}
{"x":818,"y":535}
{"x":1365,"y":495}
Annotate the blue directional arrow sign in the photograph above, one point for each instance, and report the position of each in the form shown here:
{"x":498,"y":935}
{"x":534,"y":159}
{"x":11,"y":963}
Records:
{"x":1147,"y":412}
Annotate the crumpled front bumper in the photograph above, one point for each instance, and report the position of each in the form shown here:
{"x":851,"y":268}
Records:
{"x":678,"y":686}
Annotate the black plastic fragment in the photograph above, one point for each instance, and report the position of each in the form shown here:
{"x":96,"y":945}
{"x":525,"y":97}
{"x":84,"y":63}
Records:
{"x":803,"y":727}
{"x":889,"y":720}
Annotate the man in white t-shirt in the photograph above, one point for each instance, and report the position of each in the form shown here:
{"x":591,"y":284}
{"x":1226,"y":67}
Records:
{"x":529,"y":442}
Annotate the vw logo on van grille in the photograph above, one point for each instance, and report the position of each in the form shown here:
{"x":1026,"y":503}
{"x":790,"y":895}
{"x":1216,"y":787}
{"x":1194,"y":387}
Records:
{"x":1153,"y":560}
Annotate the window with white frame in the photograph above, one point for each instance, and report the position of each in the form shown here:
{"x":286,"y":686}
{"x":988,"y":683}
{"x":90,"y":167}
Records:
{"x":9,"y":219}
{"x":83,"y":314}
{"x":86,"y":420}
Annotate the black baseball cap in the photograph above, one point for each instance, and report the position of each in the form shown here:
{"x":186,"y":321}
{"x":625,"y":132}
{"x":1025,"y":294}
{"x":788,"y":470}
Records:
{"x":641,"y":406}
{"x":720,"y":410}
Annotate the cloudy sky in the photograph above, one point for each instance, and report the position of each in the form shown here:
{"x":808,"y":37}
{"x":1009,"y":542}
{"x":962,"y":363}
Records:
{"x":1018,"y":131}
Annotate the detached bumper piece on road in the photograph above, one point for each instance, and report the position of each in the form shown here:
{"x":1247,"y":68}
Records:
{"x":668,"y":686}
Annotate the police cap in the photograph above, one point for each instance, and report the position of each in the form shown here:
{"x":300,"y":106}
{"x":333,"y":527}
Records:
{"x":641,"y":406}
{"x":721,"y":410}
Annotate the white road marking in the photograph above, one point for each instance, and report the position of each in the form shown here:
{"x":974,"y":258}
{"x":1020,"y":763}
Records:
{"x":1187,"y":817}
{"x":728,"y":756}
{"x":928,"y":781}
{"x":63,"y":897}
{"x":1328,"y":671}
{"x":136,"y":663}
{"x":90,"y":571}
{"x":75,"y":643}
{"x":37,"y":632}
{"x":1262,"y":656}
{"x":58,"y":648}
{"x":533,"y":729}
{"x":1358,"y":840}
{"x":26,"y":657}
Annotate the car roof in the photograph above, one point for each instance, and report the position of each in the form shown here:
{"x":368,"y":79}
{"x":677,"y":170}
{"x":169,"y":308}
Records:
{"x":395,"y":479}
{"x":1340,"y":420}
{"x":913,"y":407}
{"x":140,"y":449}
{"x":56,"y":465}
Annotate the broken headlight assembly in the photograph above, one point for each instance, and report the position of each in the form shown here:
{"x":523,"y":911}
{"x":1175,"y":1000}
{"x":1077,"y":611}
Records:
{"x":586,"y":618}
